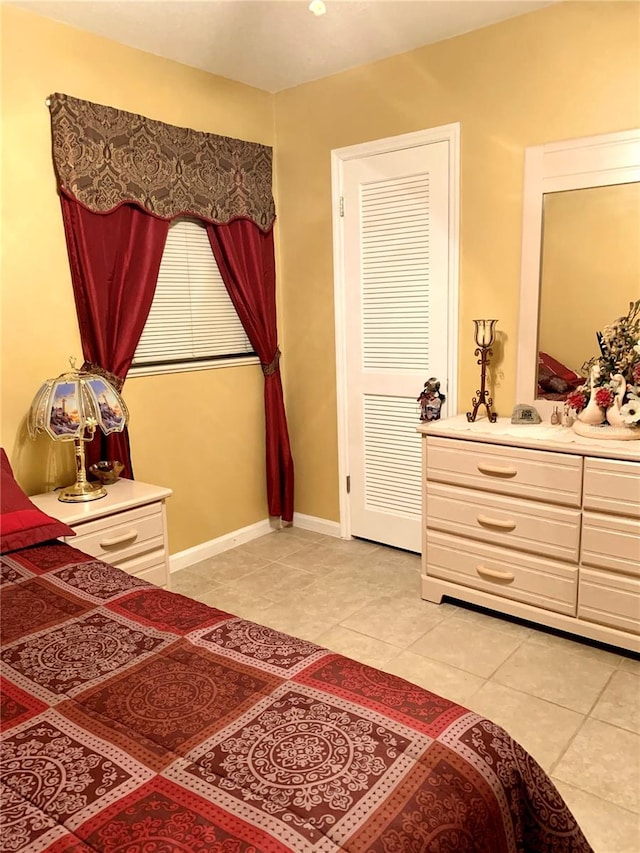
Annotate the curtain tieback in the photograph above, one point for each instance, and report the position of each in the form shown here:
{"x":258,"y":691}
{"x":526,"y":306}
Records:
{"x":273,"y":366}
{"x":116,"y":381}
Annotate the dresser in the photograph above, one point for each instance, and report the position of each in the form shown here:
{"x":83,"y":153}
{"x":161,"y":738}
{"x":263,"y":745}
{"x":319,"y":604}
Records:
{"x":127,"y":528}
{"x":534,"y":521}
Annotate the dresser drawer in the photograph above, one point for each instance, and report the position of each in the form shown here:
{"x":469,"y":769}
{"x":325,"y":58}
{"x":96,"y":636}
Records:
{"x":523,"y":525}
{"x":611,"y":485}
{"x":508,"y":574}
{"x":611,"y":542}
{"x":122,"y":535}
{"x":610,"y":599}
{"x":535,"y":474}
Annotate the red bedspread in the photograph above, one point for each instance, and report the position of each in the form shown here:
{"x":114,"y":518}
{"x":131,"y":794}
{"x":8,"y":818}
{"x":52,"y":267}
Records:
{"x":140,"y":721}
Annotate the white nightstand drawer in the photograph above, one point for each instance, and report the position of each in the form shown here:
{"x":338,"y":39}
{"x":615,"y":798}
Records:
{"x":122,"y":535}
{"x":610,"y":599}
{"x":524,"y":525}
{"x":509,"y":574}
{"x":612,"y":485}
{"x":151,"y":567}
{"x":611,"y":542}
{"x":534,"y":474}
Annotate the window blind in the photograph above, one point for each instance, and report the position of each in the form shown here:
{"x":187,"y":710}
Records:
{"x":192,"y":318}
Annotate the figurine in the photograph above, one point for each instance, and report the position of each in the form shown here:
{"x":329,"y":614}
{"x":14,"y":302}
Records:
{"x":431,"y":400}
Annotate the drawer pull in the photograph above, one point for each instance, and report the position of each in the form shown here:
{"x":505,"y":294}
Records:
{"x":496,"y":522}
{"x":129,"y":536}
{"x":494,"y":574}
{"x":498,"y":470}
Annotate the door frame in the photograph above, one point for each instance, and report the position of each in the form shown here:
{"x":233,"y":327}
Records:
{"x":449,"y":133}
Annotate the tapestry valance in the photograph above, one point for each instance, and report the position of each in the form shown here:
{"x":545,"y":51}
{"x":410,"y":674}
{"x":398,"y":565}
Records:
{"x":105,"y":157}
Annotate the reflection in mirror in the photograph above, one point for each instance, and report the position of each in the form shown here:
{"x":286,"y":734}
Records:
{"x":590,"y":272}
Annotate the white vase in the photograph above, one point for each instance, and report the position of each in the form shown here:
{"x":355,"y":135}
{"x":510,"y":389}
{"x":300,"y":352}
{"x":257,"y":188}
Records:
{"x":614,"y":418}
{"x":592,"y":414}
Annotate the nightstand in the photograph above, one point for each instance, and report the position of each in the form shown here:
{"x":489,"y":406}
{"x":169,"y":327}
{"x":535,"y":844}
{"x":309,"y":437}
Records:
{"x":127,"y":528}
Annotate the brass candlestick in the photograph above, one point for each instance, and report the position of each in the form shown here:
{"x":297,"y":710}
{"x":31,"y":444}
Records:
{"x":484,"y":335}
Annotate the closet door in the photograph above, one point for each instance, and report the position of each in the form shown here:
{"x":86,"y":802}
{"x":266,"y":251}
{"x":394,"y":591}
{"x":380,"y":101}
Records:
{"x":396,"y":220}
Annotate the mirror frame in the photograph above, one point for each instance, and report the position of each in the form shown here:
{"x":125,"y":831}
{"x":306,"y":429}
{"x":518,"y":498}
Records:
{"x":591,"y":161}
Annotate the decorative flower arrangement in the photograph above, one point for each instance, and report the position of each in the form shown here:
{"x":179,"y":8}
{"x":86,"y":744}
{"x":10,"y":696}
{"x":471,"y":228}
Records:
{"x":613,"y":387}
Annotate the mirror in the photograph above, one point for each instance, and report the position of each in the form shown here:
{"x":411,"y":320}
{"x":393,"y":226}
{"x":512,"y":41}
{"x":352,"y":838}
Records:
{"x":590,"y":271}
{"x":580,"y":258}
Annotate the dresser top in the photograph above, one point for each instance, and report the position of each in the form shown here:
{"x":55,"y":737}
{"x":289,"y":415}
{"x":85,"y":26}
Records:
{"x":535,"y":436}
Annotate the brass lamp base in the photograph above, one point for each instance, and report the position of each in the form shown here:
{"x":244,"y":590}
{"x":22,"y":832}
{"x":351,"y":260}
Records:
{"x":81,"y":492}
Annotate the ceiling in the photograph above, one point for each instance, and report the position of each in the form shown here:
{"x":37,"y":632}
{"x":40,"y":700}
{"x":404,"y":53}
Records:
{"x":277,"y":44}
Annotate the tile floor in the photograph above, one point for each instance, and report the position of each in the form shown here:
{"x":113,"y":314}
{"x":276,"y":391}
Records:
{"x":574,"y":706}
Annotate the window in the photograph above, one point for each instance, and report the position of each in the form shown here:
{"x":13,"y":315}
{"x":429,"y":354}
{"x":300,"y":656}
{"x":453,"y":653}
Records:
{"x":192,"y":324}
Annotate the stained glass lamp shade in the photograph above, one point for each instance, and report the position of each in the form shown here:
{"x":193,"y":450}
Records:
{"x":69,"y":408}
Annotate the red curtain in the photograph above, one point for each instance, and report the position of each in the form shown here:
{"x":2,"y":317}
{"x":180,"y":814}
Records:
{"x":245,"y":257}
{"x":114,"y":259}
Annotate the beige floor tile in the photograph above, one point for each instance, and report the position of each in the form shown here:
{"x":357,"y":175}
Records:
{"x":608,"y":828}
{"x":357,"y":646}
{"x":439,"y":678}
{"x":584,"y":650}
{"x":494,"y":621}
{"x":229,"y":566}
{"x":474,"y":648}
{"x":604,"y":760}
{"x":355,"y":546}
{"x":342,"y":585}
{"x":630,"y":665}
{"x":401,"y":559}
{"x":272,"y":546}
{"x":307,"y":623}
{"x":619,"y":703}
{"x":393,"y":577}
{"x":310,"y":558}
{"x":274,"y":579}
{"x":190,"y":584}
{"x":333,"y":603}
{"x":542,"y":728}
{"x":302,"y":533}
{"x":238,"y":602}
{"x":556,"y":675}
{"x":396,"y":619}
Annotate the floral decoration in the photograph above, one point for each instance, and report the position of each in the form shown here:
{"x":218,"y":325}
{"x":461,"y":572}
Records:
{"x":614,"y":376}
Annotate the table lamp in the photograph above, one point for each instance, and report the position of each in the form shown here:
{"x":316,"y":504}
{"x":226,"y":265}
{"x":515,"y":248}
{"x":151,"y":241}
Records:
{"x":69,"y":408}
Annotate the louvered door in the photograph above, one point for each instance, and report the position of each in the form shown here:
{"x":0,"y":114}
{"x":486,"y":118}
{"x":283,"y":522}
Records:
{"x":396,"y":239}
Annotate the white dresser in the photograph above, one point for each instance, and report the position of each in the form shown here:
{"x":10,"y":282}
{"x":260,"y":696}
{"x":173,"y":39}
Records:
{"x":534,"y":521}
{"x":127,"y":528}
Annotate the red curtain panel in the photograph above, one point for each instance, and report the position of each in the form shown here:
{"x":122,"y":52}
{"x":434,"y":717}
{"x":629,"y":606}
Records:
{"x":245,"y":257}
{"x":114,"y":259}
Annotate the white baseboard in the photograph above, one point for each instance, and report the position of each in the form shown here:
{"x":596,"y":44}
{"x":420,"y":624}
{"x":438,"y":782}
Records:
{"x":184,"y":559}
{"x":317,"y":525}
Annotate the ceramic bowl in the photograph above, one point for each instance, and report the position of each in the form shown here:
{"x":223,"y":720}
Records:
{"x":107,"y":472}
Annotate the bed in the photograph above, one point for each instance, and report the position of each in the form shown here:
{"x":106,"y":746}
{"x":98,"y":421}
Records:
{"x":136,"y":720}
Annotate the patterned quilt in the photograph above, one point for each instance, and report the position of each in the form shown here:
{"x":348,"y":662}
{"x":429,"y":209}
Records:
{"x":135,"y":720}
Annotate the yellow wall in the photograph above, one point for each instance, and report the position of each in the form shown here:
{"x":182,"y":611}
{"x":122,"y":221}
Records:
{"x":211,"y":452}
{"x":568,"y":70}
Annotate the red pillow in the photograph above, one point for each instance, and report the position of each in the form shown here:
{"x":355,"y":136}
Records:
{"x":21,"y":522}
{"x":550,"y":366}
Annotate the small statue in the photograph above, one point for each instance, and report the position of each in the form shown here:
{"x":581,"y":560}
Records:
{"x":431,"y":400}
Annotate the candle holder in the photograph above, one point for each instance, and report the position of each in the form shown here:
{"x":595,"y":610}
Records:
{"x":484,"y":335}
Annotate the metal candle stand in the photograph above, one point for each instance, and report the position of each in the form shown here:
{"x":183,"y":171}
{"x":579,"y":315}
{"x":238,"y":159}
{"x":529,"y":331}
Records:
{"x":484,"y":335}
